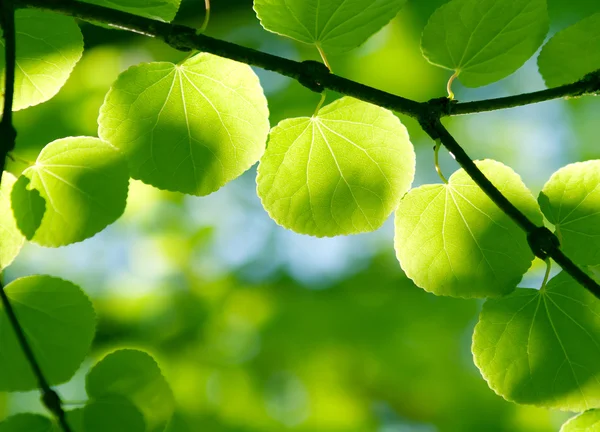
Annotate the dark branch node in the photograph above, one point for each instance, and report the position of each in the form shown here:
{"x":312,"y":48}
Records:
{"x":542,"y":242}
{"x":52,"y":401}
{"x":313,"y":75}
{"x":179,"y":37}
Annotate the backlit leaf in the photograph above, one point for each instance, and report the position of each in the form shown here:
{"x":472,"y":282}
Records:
{"x":163,"y":10}
{"x":588,"y":421}
{"x":114,"y":413}
{"x":11,"y":239}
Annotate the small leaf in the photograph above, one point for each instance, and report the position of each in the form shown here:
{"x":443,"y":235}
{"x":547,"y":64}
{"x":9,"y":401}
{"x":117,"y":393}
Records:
{"x":113,"y":413}
{"x":27,"y":422}
{"x":571,"y":202}
{"x":59,"y":322}
{"x":11,"y":239}
{"x":588,"y":421}
{"x":336,"y":26}
{"x":453,"y":240}
{"x":28,"y":207}
{"x":541,"y":347}
{"x":83,"y":182}
{"x":571,"y":53}
{"x":342,"y":171}
{"x":136,"y":376}
{"x":189,"y":128}
{"x":162,"y":10}
{"x":48,"y":47}
{"x":484,"y":41}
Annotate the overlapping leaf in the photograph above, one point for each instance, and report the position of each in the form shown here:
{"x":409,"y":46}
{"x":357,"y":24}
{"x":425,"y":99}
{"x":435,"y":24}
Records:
{"x":11,"y":239}
{"x":59,"y":322}
{"x":571,"y":201}
{"x":484,"y":40}
{"x":453,"y":240}
{"x":336,"y":26}
{"x":588,"y":421}
{"x":342,"y":171}
{"x":27,"y":423}
{"x":48,"y":47}
{"x":163,"y":10}
{"x":113,"y":413}
{"x":189,"y":128}
{"x":83,"y":182}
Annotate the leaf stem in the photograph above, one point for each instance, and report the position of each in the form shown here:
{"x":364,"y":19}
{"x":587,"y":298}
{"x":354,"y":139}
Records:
{"x":320,"y":104}
{"x":449,"y":85}
{"x":436,"y":151}
{"x":206,"y":16}
{"x":546,"y":275}
{"x":323,"y":56}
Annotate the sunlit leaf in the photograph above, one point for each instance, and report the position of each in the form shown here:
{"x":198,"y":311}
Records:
{"x":484,"y":40}
{"x":83,"y":182}
{"x":335,"y":26}
{"x":136,"y":376}
{"x":541,"y":347}
{"x":163,"y":10}
{"x":588,"y":421}
{"x":189,"y":128}
{"x":59,"y":323}
{"x":48,"y":47}
{"x":453,"y":240}
{"x":114,"y":413}
{"x":28,"y":207}
{"x":342,"y":171}
{"x":571,"y":53}
{"x":11,"y":239}
{"x":27,"y":423}
{"x":571,"y":201}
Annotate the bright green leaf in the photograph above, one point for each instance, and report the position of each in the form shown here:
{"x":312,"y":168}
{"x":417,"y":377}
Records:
{"x":484,"y":40}
{"x":586,"y":422}
{"x":162,"y":10}
{"x":189,"y":128}
{"x":336,"y":26}
{"x":571,"y":202}
{"x":342,"y":171}
{"x":114,"y":413}
{"x":27,"y":423}
{"x":453,"y":240}
{"x":571,"y":53}
{"x":136,"y":376}
{"x":83,"y":182}
{"x":48,"y":47}
{"x":542,"y":347}
{"x":59,"y":322}
{"x":11,"y":238}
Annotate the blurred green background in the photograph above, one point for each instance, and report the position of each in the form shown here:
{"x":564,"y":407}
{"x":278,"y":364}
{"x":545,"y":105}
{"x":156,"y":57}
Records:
{"x":260,"y":329}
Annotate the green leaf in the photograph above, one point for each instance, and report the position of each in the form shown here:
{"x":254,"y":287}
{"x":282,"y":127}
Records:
{"x":571,"y":53}
{"x":162,"y":10}
{"x":336,"y":26}
{"x":484,"y":41}
{"x":75,"y":420}
{"x":136,"y":376}
{"x":586,"y":422}
{"x":570,"y":200}
{"x":542,"y":347}
{"x":11,"y":239}
{"x":113,"y":413}
{"x":28,"y":207}
{"x":189,"y":128}
{"x":83,"y":182}
{"x":59,"y":322}
{"x":48,"y":47}
{"x":27,"y":423}
{"x":342,"y":171}
{"x":453,"y":240}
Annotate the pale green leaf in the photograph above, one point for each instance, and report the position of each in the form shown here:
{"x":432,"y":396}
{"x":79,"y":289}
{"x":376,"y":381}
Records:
{"x":162,"y":10}
{"x":189,"y":128}
{"x":11,"y":238}
{"x":453,"y":240}
{"x":83,"y":182}
{"x":570,"y":200}
{"x":27,"y":422}
{"x":571,"y":53}
{"x":342,"y":171}
{"x":542,"y":347}
{"x":484,"y":40}
{"x":114,"y":413}
{"x":59,"y":322}
{"x":135,"y":375}
{"x":48,"y":47}
{"x":588,"y":421}
{"x":336,"y":26}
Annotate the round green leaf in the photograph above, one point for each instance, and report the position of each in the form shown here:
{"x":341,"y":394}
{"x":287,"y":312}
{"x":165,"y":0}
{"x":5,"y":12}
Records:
{"x":48,"y":47}
{"x":336,"y":26}
{"x":571,"y":53}
{"x":453,"y":240}
{"x":542,"y":347}
{"x":11,"y":238}
{"x":189,"y":128}
{"x":112,"y":413}
{"x":586,"y":422}
{"x":27,"y":423}
{"x":571,"y":202}
{"x":59,"y":322}
{"x":162,"y":10}
{"x":136,"y":376}
{"x":342,"y":171}
{"x":83,"y":182}
{"x":484,"y":40}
